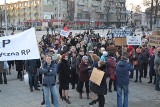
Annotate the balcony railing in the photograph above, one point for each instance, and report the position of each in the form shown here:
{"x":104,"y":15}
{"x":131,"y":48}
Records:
{"x":112,"y":11}
{"x":94,"y":4}
{"x":85,"y":9}
{"x":99,"y":11}
{"x":123,"y":11}
{"x":81,"y":3}
{"x":122,"y":1}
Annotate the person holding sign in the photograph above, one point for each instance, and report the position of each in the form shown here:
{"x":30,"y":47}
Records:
{"x":102,"y":89}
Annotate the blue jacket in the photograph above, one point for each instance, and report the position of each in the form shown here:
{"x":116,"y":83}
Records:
{"x":49,"y":74}
{"x":122,"y":72}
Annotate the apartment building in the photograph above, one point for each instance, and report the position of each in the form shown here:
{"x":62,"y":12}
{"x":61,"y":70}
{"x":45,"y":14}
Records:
{"x":98,"y":12}
{"x":36,"y":12}
{"x":80,"y":13}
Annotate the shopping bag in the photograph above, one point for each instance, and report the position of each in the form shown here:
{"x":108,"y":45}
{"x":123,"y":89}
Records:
{"x":26,"y":79}
{"x":96,"y":76}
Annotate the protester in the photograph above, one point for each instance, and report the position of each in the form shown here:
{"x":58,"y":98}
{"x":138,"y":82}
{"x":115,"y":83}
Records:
{"x":123,"y":68}
{"x":64,"y":77}
{"x":111,"y":71}
{"x":102,"y":89}
{"x":3,"y":71}
{"x":32,"y":67}
{"x":151,"y":67}
{"x":157,"y":69}
{"x":49,"y":69}
{"x":95,"y":60}
{"x":74,"y":76}
{"x":84,"y":76}
{"x":19,"y":68}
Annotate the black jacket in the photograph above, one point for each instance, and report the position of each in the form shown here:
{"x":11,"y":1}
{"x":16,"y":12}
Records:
{"x":64,"y":71}
{"x":102,"y":89}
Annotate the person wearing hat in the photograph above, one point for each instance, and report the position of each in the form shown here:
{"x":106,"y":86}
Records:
{"x":104,"y":56}
{"x":84,"y":76}
{"x":123,"y":68}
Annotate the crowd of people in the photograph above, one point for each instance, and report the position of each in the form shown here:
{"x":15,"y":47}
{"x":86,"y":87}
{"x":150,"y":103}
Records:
{"x":71,"y":60}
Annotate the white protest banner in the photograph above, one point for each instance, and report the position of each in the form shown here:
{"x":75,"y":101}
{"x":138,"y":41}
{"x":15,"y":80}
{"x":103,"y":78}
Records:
{"x":22,"y":46}
{"x":134,"y":40}
{"x":64,"y":33}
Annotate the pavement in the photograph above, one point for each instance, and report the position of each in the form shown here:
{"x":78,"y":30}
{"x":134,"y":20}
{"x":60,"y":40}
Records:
{"x":17,"y":94}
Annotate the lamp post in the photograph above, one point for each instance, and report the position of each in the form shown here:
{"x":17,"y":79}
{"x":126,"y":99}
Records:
{"x":6,"y":17}
{"x":47,"y":30}
{"x":52,"y":29}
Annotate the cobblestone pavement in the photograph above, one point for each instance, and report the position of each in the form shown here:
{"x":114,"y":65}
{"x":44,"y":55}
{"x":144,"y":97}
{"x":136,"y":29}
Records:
{"x":17,"y":94}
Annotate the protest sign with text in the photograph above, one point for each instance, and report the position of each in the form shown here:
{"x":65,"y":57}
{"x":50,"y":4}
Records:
{"x":22,"y":46}
{"x":134,"y":40}
{"x":154,"y":40}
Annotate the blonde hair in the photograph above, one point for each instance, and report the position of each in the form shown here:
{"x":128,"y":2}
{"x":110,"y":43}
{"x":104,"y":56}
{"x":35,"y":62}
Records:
{"x":59,"y":57}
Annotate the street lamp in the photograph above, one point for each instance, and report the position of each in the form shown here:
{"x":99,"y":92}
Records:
{"x":6,"y":17}
{"x":47,"y":30}
{"x":52,"y":29}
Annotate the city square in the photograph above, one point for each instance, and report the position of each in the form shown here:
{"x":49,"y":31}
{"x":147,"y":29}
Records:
{"x":79,"y":53}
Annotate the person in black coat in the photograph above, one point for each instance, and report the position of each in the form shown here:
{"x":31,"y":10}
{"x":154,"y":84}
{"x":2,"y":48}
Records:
{"x":64,"y":77}
{"x":151,"y":69}
{"x":102,"y":89}
{"x":19,"y":68}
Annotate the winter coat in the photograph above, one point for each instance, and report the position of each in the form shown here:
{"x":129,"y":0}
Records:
{"x":49,"y":74}
{"x":157,"y":63}
{"x":32,"y":65}
{"x":72,"y":62}
{"x":78,"y":61}
{"x":122,"y":72}
{"x":151,"y":63}
{"x":64,"y":71}
{"x":111,"y":65}
{"x":1,"y":66}
{"x":140,"y":61}
{"x":19,"y":65}
{"x":102,"y":89}
{"x":145,"y":55}
{"x":83,"y":74}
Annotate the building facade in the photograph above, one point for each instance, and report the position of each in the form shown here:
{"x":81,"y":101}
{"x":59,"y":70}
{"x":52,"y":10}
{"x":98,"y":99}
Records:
{"x":99,"y":12}
{"x":82,"y":13}
{"x":36,"y":12}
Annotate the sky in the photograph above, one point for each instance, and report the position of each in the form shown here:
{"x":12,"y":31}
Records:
{"x":136,"y":2}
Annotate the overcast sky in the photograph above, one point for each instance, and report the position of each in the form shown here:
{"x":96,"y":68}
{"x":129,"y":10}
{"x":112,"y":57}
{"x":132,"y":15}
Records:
{"x":136,"y":2}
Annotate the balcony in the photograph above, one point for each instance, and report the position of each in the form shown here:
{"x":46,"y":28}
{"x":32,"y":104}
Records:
{"x":94,"y":4}
{"x":99,"y":11}
{"x":123,"y":11}
{"x":80,"y":4}
{"x":122,"y":1}
{"x":112,"y":11}
{"x":85,"y":9}
{"x":35,"y":12}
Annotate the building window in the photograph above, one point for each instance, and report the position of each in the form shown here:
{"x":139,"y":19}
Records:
{"x":63,"y":15}
{"x":59,"y":15}
{"x":55,"y":8}
{"x":55,"y":15}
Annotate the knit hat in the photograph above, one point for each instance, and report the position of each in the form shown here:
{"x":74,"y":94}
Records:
{"x":105,"y":53}
{"x":85,"y":58}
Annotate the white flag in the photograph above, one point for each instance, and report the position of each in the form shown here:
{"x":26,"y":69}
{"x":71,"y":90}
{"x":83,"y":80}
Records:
{"x":64,"y":33}
{"x":22,"y":46}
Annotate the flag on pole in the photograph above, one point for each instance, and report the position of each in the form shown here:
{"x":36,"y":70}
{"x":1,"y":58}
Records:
{"x":64,"y":32}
